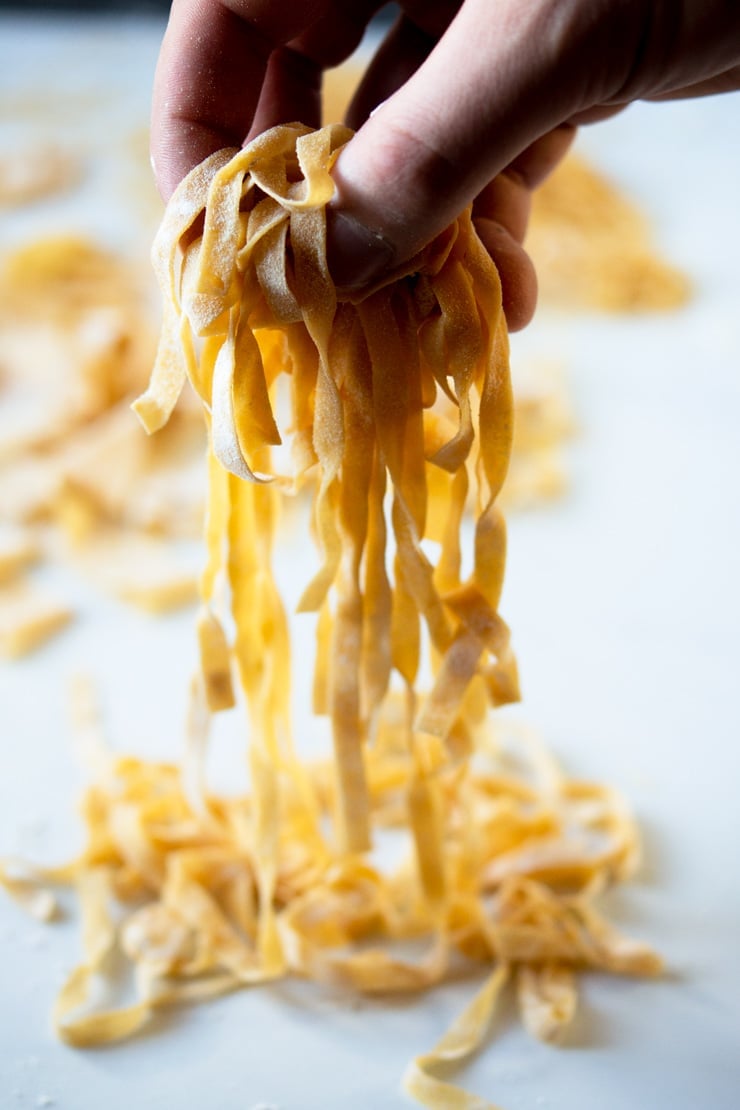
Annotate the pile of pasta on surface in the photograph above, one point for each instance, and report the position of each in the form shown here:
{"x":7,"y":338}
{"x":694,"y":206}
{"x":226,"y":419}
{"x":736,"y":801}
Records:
{"x":594,"y":249}
{"x":505,"y":855}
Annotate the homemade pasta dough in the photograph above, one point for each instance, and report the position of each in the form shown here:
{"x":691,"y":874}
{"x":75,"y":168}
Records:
{"x":203,"y":893}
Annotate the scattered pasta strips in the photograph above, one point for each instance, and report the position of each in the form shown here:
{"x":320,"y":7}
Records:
{"x":204,"y":894}
{"x":79,"y":484}
{"x":593,"y":248}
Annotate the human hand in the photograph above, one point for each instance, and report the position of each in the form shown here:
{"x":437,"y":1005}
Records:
{"x":470,"y":101}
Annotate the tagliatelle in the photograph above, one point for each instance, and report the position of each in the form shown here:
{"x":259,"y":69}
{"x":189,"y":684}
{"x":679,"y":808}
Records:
{"x":593,"y":248}
{"x":18,"y":551}
{"x":28,"y":619}
{"x":505,"y":853}
{"x":79,"y":484}
{"x":365,"y":372}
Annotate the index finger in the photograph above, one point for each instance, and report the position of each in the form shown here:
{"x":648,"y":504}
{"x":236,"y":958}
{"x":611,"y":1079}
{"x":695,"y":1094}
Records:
{"x":210,"y":75}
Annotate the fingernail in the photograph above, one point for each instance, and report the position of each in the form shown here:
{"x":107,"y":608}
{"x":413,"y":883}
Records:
{"x":377,"y":107}
{"x":355,"y":253}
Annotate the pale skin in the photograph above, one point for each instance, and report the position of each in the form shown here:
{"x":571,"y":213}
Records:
{"x":471,"y":102}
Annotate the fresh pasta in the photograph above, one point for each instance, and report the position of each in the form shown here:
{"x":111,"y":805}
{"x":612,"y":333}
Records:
{"x":506,"y":854}
{"x":364,"y":379}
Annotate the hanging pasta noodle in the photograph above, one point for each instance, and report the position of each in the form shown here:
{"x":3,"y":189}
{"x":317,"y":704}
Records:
{"x":504,"y":863}
{"x":366,"y":375}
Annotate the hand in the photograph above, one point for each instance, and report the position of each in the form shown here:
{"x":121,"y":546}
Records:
{"x":477,"y":102}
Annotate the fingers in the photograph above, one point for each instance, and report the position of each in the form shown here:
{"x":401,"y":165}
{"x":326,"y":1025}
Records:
{"x":436,"y":145}
{"x":229,"y":69}
{"x":726,"y":81}
{"x":206,"y":89}
{"x":487,"y":94}
{"x":211,"y":70}
{"x":501,"y":214}
{"x":232,"y":68}
{"x":291,"y":92}
{"x":400,"y":54}
{"x":467,"y":89}
{"x":500,"y":78}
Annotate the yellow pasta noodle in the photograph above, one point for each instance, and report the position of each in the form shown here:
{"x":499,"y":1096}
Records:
{"x":369,"y":372}
{"x":506,"y":854}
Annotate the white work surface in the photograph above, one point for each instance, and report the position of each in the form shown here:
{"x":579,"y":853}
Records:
{"x":624,"y":599}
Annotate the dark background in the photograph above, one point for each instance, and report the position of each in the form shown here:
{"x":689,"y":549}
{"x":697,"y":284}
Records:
{"x":105,"y":6}
{"x":112,"y":5}
{"x":86,"y":5}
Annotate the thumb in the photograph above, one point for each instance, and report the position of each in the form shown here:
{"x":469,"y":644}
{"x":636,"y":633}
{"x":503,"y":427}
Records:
{"x":500,"y":77}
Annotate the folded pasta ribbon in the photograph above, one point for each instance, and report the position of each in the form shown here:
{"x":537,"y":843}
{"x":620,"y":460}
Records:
{"x":249,"y":302}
